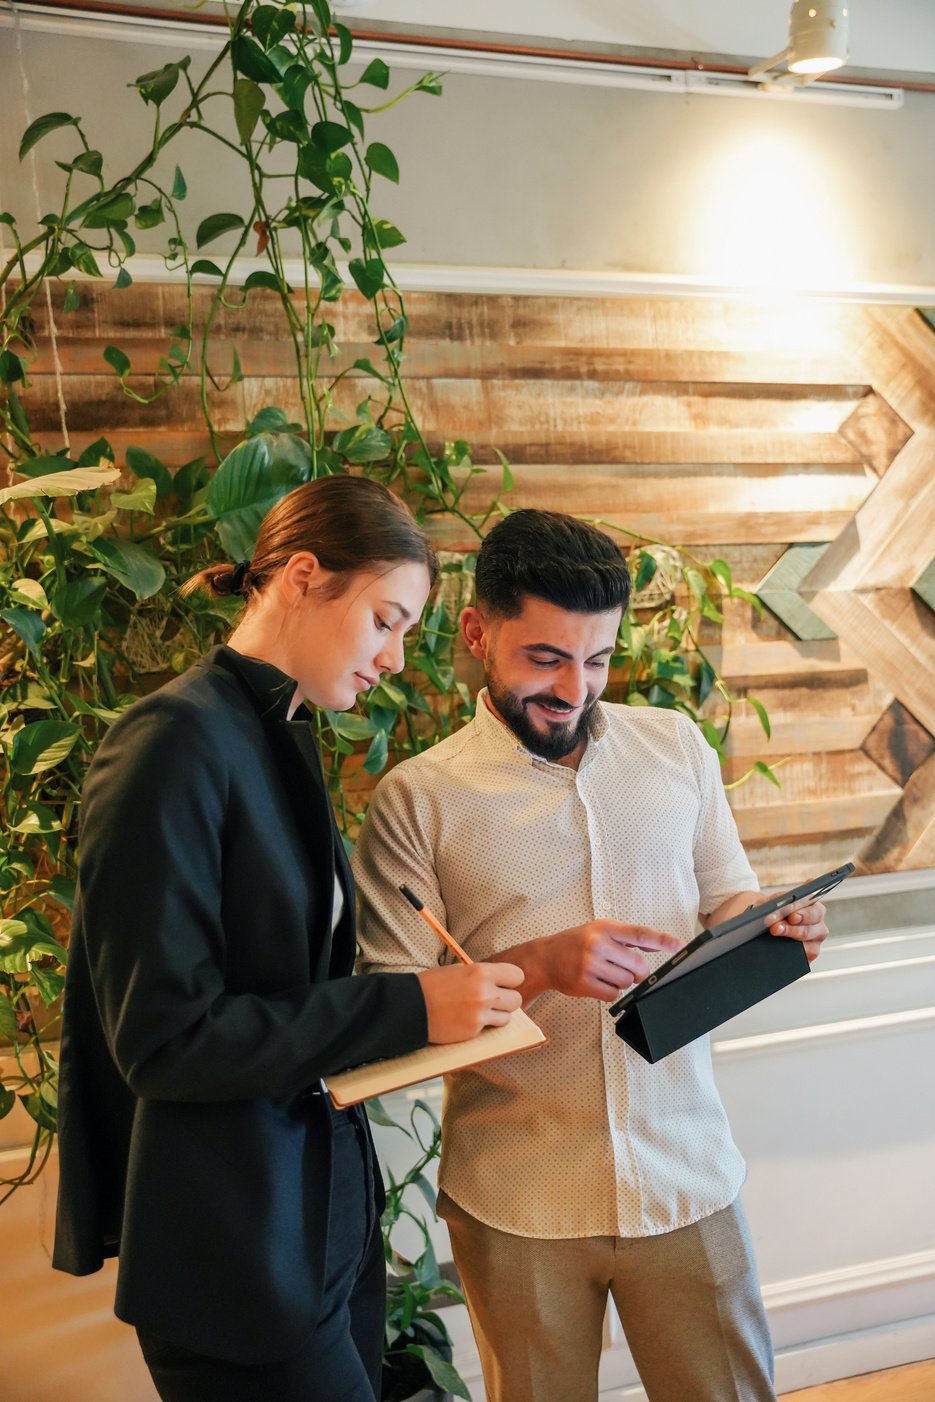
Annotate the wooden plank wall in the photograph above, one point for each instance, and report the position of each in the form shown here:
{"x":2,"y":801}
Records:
{"x":741,"y":430}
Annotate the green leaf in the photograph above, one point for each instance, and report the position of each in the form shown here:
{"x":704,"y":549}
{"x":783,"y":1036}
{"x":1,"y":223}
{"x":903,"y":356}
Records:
{"x":713,"y":737}
{"x":42,"y":745}
{"x":143,"y":464}
{"x":72,"y":300}
{"x":131,"y":565}
{"x":287,"y":126}
{"x":141,"y":498}
{"x":376,"y":74}
{"x":722,"y":571}
{"x":36,"y":1107}
{"x":430,"y":83}
{"x":117,"y":360}
{"x":250,"y":60}
{"x":369,"y":275}
{"x":260,"y":278}
{"x":250,"y":480}
{"x":61,"y":484}
{"x":148,"y":216}
{"x":350,"y":726}
{"x":767,"y":773}
{"x":12,"y":367}
{"x":645,"y":572}
{"x":8,"y":1028}
{"x":205,"y":266}
{"x":123,"y":279}
{"x":107,"y":210}
{"x":293,"y":87}
{"x":378,"y":753}
{"x":388,"y":236}
{"x":49,"y":983}
{"x":363,"y":444}
{"x":179,"y":188}
{"x":444,"y":1376}
{"x":29,"y":592}
{"x":270,"y":24}
{"x":330,"y":136}
{"x":84,"y":260}
{"x":761,"y":712}
{"x":26,"y":625}
{"x":345,"y":42}
{"x":354,"y":116}
{"x":155,"y":87}
{"x":94,"y":452}
{"x":216,"y":225}
{"x":249,"y":102}
{"x":36,"y":818}
{"x":89,"y":162}
{"x":706,"y":679}
{"x":78,"y":602}
{"x":62,"y":890}
{"x":381,"y":160}
{"x":272,"y":420}
{"x":42,"y":126}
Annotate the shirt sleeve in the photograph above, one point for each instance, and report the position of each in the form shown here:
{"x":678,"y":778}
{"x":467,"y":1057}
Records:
{"x":152,"y":929}
{"x":722,"y":869}
{"x":394,"y":849}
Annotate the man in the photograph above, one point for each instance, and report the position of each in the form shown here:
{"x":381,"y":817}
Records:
{"x":576,"y":1169}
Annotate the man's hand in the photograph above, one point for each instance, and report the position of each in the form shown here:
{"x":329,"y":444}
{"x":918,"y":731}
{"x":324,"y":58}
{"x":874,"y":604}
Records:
{"x":597,"y":960}
{"x":462,"y":999}
{"x":807,"y":925}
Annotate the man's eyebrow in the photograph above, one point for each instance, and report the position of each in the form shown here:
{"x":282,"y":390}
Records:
{"x":559,"y":652}
{"x":403,"y":612}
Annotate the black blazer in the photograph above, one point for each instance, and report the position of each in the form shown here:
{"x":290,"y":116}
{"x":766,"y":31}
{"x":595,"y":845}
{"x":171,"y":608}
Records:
{"x":205,"y":997}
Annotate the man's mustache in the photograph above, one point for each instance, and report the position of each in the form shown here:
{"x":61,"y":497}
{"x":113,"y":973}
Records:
{"x":554,"y":704}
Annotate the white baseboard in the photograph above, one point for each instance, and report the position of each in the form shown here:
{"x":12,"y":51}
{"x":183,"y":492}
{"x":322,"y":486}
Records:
{"x":846,"y":1356}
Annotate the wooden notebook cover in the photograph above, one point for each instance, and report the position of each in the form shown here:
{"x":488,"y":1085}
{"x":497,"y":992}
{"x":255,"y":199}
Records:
{"x":436,"y":1059}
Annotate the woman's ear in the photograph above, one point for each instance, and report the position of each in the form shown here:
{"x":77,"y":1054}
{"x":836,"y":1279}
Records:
{"x":474,"y":632}
{"x":301,"y":574}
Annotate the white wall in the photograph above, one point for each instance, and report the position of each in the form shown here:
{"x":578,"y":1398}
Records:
{"x":530,"y":174}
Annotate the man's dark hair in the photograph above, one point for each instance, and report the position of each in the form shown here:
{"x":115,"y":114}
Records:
{"x":553,"y":557}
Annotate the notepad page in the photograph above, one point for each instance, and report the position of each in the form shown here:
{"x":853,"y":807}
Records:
{"x":380,"y":1077}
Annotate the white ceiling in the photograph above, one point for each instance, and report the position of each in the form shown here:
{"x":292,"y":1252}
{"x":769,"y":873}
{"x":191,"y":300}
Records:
{"x":885,"y":34}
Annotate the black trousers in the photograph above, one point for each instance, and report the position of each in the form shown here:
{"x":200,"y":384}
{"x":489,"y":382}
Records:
{"x":342,"y":1358}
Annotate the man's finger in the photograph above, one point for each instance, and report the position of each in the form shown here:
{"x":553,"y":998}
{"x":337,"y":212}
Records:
{"x":644,"y":937}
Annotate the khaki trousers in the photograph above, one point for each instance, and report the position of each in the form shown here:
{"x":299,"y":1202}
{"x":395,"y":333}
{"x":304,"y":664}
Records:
{"x":689,"y":1302}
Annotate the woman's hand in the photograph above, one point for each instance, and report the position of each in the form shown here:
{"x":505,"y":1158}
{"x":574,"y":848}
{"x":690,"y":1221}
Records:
{"x":462,"y":999}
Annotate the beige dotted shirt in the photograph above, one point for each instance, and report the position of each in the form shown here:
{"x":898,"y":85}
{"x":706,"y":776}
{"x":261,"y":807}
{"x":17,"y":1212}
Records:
{"x":580,"y":1137}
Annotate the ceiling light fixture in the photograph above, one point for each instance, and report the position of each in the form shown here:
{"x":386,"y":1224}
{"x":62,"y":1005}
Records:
{"x":817,"y":43}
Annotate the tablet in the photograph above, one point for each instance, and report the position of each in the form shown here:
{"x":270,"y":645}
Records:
{"x":730,"y":934}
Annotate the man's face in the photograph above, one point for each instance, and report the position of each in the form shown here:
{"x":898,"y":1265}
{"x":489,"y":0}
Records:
{"x":545,"y":670}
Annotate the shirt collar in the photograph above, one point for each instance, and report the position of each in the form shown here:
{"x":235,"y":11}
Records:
{"x":272,"y":689}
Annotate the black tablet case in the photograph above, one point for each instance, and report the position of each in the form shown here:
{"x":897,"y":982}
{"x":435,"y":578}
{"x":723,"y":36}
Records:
{"x":670,"y":1015}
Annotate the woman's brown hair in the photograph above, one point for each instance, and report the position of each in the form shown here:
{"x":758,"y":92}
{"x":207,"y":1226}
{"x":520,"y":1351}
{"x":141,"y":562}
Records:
{"x":348,"y":523}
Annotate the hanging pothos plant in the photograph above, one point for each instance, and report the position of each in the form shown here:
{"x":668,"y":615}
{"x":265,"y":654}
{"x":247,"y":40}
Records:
{"x":93,"y":550}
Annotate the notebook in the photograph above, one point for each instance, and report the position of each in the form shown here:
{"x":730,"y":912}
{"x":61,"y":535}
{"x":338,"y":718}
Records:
{"x":437,"y":1059}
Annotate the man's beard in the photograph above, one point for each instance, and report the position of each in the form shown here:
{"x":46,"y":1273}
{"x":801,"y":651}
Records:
{"x":560,"y":738}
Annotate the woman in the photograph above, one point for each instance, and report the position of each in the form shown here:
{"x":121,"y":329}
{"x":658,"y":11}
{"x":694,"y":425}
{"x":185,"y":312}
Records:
{"x":209,"y":985}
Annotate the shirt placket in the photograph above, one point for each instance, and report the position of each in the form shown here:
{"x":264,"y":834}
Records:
{"x":627,"y":1187}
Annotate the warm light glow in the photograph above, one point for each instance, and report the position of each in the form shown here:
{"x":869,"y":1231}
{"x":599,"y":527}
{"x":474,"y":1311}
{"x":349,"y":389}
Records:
{"x":815,"y":65}
{"x":766,"y":215}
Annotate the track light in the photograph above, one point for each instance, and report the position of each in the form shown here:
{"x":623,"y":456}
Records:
{"x":817,"y":41}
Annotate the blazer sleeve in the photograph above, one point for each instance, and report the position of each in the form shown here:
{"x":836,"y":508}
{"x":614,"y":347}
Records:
{"x":152,"y":925}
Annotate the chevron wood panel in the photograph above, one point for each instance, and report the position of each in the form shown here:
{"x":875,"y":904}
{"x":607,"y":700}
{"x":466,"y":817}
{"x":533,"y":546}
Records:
{"x":739,"y":429}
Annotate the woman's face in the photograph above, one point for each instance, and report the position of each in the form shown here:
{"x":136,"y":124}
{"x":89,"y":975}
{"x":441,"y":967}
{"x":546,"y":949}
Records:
{"x":341,"y":647}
